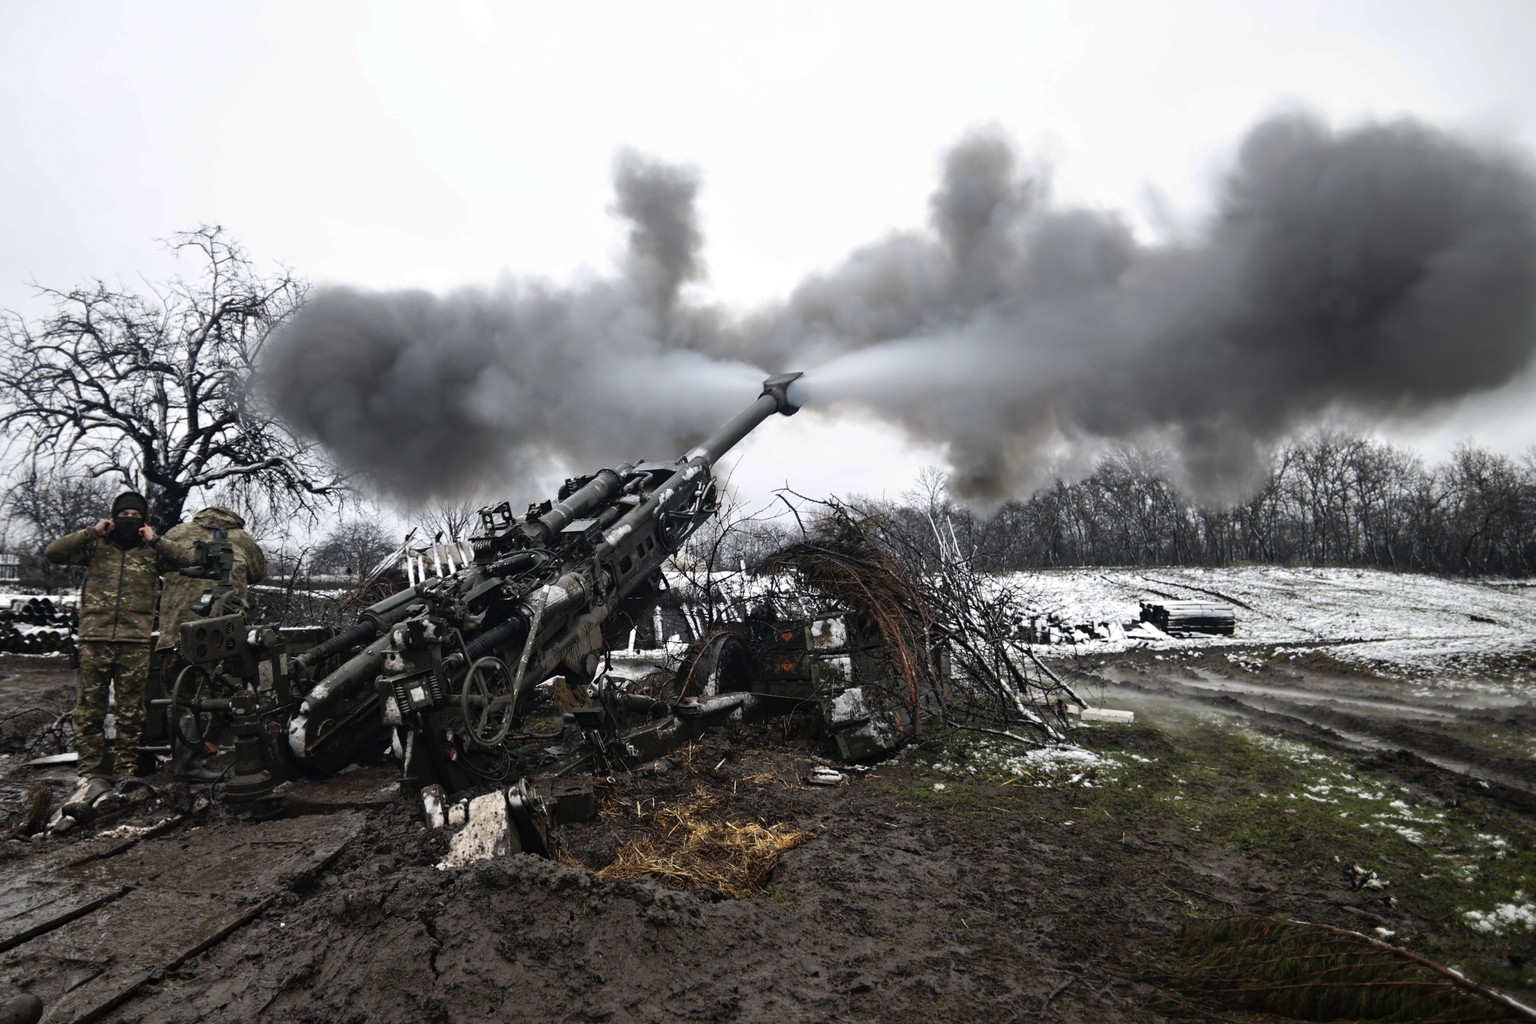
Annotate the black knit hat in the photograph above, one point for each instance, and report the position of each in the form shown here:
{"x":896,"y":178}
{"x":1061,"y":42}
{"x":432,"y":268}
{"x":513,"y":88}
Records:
{"x":130,"y":499}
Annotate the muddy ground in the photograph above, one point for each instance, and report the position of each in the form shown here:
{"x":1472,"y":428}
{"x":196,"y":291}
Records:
{"x":920,"y":893}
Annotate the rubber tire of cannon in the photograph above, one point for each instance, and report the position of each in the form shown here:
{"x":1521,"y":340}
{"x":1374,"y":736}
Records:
{"x":722,"y":658}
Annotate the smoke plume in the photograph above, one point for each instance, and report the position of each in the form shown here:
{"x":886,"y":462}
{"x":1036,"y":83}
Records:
{"x":433,"y":396}
{"x":1388,"y":269}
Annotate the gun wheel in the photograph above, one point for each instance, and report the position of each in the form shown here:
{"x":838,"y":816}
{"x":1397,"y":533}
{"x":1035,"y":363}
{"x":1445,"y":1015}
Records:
{"x":189,"y":724}
{"x":487,"y":702}
{"x":717,"y":663}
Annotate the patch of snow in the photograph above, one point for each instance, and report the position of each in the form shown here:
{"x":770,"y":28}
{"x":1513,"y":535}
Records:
{"x":487,"y":833}
{"x":1498,"y":844}
{"x":1506,"y":917}
{"x":1062,"y":765}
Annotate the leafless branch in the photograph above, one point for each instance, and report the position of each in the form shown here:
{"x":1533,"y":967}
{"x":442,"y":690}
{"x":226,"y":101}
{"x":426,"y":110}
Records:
{"x":151,"y":386}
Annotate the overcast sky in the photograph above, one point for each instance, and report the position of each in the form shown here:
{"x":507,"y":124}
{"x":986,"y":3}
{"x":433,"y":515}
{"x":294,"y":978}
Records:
{"x":412,"y":145}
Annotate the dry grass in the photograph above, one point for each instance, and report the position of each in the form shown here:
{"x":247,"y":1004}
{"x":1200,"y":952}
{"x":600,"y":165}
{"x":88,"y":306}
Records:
{"x":692,"y":760}
{"x":784,"y":778}
{"x":694,"y":847}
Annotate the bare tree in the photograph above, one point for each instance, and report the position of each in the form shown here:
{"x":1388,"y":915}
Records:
{"x":353,"y":548}
{"x":1485,"y":528}
{"x":449,"y":520}
{"x":42,"y":504}
{"x":152,"y":387}
{"x":1383,"y":477}
{"x":714,"y":563}
{"x":51,"y":503}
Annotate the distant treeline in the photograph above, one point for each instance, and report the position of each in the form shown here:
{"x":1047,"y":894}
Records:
{"x":1329,"y":499}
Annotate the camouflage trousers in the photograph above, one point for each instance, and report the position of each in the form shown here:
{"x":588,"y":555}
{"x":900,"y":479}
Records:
{"x":124,"y":669}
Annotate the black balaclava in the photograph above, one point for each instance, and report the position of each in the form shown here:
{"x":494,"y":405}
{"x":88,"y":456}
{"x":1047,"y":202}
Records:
{"x":125,"y":529}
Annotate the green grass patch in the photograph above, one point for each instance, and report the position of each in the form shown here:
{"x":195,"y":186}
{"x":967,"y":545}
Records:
{"x":1313,"y":816}
{"x":1510,"y":739}
{"x":787,"y":895}
{"x":970,"y":777}
{"x":1316,"y":817}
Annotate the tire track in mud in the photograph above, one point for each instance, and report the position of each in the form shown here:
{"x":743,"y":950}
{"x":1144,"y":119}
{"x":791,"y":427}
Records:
{"x":1403,"y":749}
{"x":1199,"y":590}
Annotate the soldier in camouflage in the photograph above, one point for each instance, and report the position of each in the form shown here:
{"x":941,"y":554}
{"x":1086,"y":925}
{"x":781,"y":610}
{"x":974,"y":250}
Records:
{"x":123,"y":559}
{"x":179,"y":601}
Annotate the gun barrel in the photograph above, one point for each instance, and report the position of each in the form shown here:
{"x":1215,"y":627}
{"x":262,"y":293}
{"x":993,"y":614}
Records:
{"x":374,"y":620}
{"x":775,"y":398}
{"x":559,"y":622}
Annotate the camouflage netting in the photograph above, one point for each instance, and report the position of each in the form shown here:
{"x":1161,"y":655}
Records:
{"x":944,"y":627}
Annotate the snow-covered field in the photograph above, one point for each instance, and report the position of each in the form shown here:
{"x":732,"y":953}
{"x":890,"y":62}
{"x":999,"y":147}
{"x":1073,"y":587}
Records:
{"x":1387,"y":619}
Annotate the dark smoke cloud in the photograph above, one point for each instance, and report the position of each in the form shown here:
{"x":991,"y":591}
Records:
{"x":664,"y":240}
{"x":1387,"y":269}
{"x":440,"y":396}
{"x":1390,"y":269}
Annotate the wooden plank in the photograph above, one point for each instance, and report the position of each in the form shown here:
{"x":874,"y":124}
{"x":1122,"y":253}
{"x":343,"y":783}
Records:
{"x":92,"y":932}
{"x":88,"y":967}
{"x":1190,"y":616}
{"x":29,"y":906}
{"x":249,"y":856}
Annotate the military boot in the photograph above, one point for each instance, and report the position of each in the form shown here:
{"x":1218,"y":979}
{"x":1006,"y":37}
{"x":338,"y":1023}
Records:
{"x":187,"y":759}
{"x":91,"y":789}
{"x":187,"y":766}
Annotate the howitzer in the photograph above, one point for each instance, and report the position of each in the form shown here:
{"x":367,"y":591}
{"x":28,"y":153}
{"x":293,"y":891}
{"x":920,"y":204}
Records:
{"x":445,"y":670}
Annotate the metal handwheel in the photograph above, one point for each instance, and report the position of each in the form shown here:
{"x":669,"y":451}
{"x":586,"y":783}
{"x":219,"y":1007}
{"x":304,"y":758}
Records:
{"x":189,"y":724}
{"x":488,"y":684}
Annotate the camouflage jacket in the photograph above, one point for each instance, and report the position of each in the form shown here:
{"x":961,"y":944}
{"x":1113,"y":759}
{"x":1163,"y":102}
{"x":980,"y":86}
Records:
{"x":181,"y":593}
{"x":117,"y":601}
